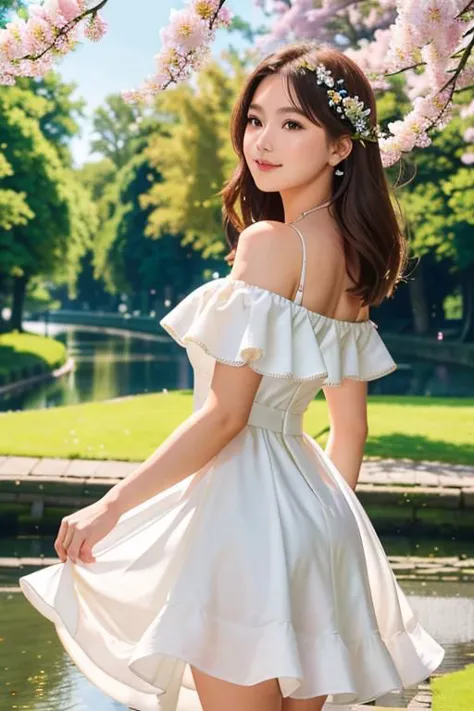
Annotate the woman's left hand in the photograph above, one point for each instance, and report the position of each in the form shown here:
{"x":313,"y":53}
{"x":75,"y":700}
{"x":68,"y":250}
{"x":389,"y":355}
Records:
{"x":81,"y":530}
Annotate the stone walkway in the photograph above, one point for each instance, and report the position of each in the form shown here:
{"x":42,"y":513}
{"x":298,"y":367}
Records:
{"x":429,"y":496}
{"x":380,"y":472}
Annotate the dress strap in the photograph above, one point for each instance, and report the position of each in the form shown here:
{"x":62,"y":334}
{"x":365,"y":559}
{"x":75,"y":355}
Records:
{"x":299,"y":294}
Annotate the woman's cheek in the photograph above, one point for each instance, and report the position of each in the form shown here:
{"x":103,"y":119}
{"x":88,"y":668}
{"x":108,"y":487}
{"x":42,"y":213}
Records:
{"x":247,"y":145}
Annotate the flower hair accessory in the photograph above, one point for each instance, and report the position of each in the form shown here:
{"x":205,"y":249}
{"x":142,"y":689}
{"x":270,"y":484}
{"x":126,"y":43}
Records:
{"x":350,"y":108}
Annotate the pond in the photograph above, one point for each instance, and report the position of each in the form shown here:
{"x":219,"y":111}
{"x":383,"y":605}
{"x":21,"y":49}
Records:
{"x":110,"y":366}
{"x":36,"y":673}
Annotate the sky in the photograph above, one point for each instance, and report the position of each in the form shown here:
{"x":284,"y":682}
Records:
{"x":125,"y":55}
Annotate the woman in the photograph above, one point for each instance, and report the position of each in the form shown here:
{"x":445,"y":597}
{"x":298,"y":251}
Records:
{"x":235,"y":568}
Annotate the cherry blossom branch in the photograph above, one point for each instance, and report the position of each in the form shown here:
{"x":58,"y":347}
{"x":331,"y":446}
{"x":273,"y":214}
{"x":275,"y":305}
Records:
{"x":29,"y":47}
{"x":186,"y":41}
{"x":63,"y":31}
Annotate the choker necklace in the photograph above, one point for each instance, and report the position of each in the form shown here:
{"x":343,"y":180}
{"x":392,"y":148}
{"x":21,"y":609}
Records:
{"x":312,"y":209}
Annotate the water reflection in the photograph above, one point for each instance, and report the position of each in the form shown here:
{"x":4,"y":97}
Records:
{"x":107,"y":366}
{"x":35,"y":672}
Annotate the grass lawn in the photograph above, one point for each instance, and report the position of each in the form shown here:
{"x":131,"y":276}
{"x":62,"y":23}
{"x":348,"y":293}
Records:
{"x":454,"y":692}
{"x":20,"y":353}
{"x":132,"y":428}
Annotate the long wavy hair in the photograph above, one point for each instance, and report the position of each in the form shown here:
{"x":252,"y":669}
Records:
{"x":361,"y":203}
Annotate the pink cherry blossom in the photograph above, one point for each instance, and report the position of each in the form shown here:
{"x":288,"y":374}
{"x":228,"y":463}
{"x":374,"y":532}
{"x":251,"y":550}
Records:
{"x":69,"y":9}
{"x":38,"y":34}
{"x":185,"y":31}
{"x":53,"y":14}
{"x":95,"y":28}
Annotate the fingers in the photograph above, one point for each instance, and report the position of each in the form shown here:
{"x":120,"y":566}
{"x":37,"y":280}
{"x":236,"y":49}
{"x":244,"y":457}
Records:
{"x":68,"y":536}
{"x":85,"y":553}
{"x":69,"y":542}
{"x":58,"y":543}
{"x":73,"y":550}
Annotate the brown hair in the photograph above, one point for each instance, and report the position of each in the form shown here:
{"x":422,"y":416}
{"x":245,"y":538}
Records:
{"x":361,"y":199}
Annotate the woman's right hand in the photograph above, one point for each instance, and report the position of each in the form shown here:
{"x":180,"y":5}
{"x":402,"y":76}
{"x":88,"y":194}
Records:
{"x":80,"y":531}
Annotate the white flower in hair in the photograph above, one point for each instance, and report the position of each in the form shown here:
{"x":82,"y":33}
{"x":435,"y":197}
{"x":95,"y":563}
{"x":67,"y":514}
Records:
{"x":348,"y":107}
{"x":324,"y":75}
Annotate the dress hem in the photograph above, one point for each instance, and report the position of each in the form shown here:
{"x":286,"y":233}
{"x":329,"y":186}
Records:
{"x":206,"y":636}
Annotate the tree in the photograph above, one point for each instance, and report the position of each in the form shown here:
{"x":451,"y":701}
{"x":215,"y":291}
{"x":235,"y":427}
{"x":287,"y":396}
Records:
{"x":57,"y":216}
{"x":193,"y":156}
{"x":118,"y":129}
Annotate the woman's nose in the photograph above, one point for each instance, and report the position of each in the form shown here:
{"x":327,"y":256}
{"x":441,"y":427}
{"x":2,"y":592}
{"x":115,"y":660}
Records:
{"x":265,"y":139}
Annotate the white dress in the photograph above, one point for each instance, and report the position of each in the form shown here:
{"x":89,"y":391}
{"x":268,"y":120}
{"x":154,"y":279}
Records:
{"x":263,"y":563}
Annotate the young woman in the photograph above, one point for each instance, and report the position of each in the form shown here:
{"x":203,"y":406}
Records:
{"x":235,"y":569}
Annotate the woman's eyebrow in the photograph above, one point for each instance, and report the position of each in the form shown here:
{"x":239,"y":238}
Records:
{"x":281,"y":110}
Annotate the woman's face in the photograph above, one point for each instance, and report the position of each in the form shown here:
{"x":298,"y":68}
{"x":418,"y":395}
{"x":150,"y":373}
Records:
{"x":277,"y":133}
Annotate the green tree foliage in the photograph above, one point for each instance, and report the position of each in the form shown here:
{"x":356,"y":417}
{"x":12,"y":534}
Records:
{"x":47,"y":217}
{"x":13,"y":207}
{"x":119,"y":129}
{"x":61,"y":114}
{"x":145,"y":269}
{"x":437,"y":204}
{"x":194,"y":156}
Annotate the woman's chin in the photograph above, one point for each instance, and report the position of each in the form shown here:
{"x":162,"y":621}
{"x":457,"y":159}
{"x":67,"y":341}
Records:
{"x":267,"y":183}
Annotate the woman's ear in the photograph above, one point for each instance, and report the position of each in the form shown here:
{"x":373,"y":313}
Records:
{"x":341,"y":149}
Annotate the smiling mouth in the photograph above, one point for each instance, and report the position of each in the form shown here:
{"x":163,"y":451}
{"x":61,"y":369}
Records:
{"x":263,"y":164}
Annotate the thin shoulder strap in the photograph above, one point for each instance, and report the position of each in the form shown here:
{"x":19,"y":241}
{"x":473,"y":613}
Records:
{"x":299,"y":294}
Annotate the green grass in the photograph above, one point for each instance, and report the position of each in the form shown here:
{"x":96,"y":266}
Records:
{"x":132,"y":428}
{"x":454,"y":692}
{"x":23,"y":354}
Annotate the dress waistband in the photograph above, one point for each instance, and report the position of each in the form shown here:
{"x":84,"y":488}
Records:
{"x":269,"y":418}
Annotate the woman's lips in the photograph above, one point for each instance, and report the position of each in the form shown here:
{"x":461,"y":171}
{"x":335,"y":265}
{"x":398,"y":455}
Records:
{"x":266,"y":166}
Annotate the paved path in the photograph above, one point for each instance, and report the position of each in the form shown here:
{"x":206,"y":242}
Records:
{"x":381,"y":472}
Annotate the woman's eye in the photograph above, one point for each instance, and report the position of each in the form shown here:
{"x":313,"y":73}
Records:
{"x":294,"y":124}
{"x":251,"y":118}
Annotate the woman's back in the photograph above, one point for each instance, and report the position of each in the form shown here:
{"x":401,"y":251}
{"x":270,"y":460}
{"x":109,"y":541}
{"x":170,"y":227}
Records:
{"x":324,"y":272}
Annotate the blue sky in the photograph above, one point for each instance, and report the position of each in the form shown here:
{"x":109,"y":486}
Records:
{"x":125,"y":56}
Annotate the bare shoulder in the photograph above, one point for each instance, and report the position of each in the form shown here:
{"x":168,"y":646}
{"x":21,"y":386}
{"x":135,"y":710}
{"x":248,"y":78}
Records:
{"x":265,"y":257}
{"x":264,"y":234}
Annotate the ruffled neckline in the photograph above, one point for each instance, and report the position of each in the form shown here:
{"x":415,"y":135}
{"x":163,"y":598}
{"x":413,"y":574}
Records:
{"x":237,"y":323}
{"x":286,"y":301}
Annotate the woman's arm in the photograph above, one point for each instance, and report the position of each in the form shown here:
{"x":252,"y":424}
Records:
{"x":347,"y":406}
{"x":192,"y":445}
{"x":196,"y":441}
{"x":227,"y":408}
{"x":206,"y":432}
